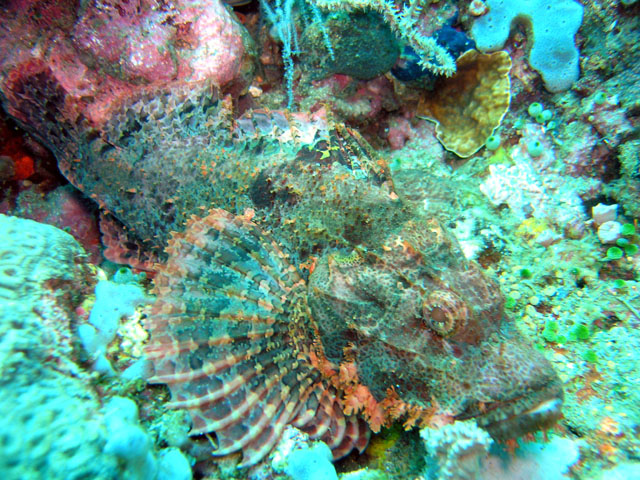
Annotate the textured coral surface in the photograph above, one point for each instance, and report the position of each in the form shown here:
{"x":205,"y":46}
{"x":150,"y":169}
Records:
{"x":469,"y":106}
{"x":45,"y":395}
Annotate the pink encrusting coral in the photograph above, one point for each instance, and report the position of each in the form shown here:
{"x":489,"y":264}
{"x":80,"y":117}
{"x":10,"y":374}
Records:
{"x":129,"y":46}
{"x":116,"y":49}
{"x":144,"y":41}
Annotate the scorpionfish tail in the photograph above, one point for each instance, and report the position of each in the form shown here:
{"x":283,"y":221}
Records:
{"x":232,"y":338}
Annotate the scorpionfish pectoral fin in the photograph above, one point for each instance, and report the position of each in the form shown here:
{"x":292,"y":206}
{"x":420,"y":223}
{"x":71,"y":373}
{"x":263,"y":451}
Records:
{"x":232,"y":338}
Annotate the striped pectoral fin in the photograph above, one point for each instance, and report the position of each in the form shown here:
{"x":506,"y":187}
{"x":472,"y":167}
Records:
{"x":328,"y":423}
{"x":267,"y":437}
{"x":320,"y":422}
{"x":363,"y":435}
{"x":356,"y":436}
{"x":241,"y":385}
{"x":337,"y":428}
{"x":191,"y":346}
{"x":307,"y":410}
{"x":260,"y":428}
{"x":293,"y":402}
{"x":227,"y":337}
{"x":226,"y":261}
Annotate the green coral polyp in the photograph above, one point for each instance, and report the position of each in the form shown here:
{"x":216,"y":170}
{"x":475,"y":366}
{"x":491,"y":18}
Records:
{"x":550,"y":332}
{"x":535,"y":148}
{"x":600,"y":98}
{"x":619,"y":283}
{"x":581,"y":332}
{"x":590,"y":356}
{"x":535,"y":109}
{"x":614,"y":253}
{"x":628,"y":229}
{"x":525,"y":273}
{"x":493,"y":142}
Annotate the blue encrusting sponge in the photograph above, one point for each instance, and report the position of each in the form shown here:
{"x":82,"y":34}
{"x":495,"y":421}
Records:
{"x":551,"y":26}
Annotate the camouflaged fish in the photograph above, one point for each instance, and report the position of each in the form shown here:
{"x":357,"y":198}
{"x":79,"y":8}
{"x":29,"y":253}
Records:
{"x":302,"y":287}
{"x":327,"y":303}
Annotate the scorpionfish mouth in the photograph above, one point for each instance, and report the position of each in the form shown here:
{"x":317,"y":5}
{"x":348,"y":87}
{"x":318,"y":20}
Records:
{"x":521,"y":391}
{"x":522,"y":416}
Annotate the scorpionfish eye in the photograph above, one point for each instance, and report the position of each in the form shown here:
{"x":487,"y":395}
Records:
{"x":444,"y":312}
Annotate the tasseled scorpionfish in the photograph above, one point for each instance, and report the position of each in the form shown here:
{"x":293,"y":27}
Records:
{"x":331,"y":305}
{"x":307,"y":290}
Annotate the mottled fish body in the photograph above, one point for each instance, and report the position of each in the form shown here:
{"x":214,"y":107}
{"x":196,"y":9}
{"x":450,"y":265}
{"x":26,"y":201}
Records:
{"x":328,"y":303}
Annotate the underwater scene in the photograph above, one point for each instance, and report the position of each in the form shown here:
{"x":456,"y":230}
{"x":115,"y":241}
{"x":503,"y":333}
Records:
{"x":320,"y":239}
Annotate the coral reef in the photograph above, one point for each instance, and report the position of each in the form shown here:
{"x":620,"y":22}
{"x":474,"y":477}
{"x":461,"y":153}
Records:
{"x":38,"y":261}
{"x":65,"y":208}
{"x":538,"y":186}
{"x":55,"y":413}
{"x":372,"y":271}
{"x":405,"y":23}
{"x":44,"y":276}
{"x":300,"y":458}
{"x":104,"y":319}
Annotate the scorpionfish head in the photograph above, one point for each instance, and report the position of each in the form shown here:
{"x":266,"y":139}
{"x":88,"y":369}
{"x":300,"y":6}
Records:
{"x":427,"y":332}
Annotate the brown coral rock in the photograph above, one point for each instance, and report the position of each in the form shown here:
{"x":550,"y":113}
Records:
{"x":469,"y":106}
